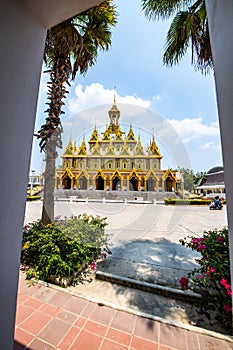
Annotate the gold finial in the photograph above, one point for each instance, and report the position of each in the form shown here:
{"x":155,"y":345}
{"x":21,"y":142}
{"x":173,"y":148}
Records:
{"x":114,"y":100}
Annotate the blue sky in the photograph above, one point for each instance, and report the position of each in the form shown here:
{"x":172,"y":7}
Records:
{"x":147,"y":94}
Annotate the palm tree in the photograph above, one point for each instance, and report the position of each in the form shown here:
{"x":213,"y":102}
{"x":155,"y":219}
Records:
{"x":189,"y":27}
{"x":71,"y":47}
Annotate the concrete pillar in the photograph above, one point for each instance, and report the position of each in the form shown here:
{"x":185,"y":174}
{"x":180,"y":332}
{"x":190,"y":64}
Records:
{"x":22,"y":45}
{"x":220,"y":15}
{"x":23,"y":26}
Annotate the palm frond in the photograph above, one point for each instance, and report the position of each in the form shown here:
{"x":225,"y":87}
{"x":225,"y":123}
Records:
{"x":178,"y":38}
{"x":156,"y":9}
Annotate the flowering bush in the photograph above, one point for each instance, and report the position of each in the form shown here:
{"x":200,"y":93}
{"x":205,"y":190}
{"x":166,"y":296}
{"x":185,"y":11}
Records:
{"x":63,"y":251}
{"x":212,"y":276}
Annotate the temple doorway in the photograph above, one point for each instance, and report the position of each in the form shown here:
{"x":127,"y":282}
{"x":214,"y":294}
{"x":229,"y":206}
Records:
{"x":99,"y":183}
{"x":133,"y":184}
{"x":116,"y":184}
{"x":83,"y":183}
{"x":169,"y":184}
{"x":150,"y":184}
{"x":66,"y":183}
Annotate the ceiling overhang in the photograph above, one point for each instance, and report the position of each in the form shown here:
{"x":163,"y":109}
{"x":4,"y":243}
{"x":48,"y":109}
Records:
{"x":52,"y":12}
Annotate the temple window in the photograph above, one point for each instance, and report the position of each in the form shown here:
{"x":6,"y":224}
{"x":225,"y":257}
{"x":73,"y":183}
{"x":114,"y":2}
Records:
{"x":124,"y":165}
{"x":110,"y":165}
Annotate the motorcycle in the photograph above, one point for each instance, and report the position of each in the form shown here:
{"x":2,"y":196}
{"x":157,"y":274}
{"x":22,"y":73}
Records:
{"x":214,"y":206}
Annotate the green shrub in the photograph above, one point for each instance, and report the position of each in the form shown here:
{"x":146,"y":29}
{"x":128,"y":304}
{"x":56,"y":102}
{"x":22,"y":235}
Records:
{"x":178,"y":201}
{"x":33,"y":198}
{"x":63,"y":251}
{"x":212,"y":276}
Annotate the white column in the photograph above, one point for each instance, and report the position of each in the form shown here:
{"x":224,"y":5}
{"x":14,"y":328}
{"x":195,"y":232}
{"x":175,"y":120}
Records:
{"x":22,"y":38}
{"x":22,"y":43}
{"x":220,"y":15}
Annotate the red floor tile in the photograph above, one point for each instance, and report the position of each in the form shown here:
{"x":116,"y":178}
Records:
{"x":36,"y":322}
{"x":21,"y":298}
{"x":89,"y":309}
{"x":32,"y":290}
{"x":45,"y":294}
{"x":172,"y":336}
{"x":80,"y":321}
{"x":75,"y":305}
{"x":102,"y":314}
{"x":59,"y":299}
{"x":207,"y":342}
{"x":123,"y":321}
{"x":146,"y":328}
{"x":54,"y":332}
{"x":23,"y":312}
{"x":34,"y":303}
{"x":66,"y":316}
{"x":87,"y":341}
{"x":50,"y":309}
{"x":143,"y":344}
{"x":22,"y":337}
{"x":38,"y":344}
{"x":95,"y":328}
{"x":164,"y":347}
{"x":118,"y":336}
{"x":192,"y":340}
{"x":69,"y":338}
{"x":109,"y":345}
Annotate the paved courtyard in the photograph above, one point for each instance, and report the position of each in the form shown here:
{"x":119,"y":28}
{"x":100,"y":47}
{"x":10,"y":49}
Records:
{"x":145,"y":244}
{"x":127,"y":222}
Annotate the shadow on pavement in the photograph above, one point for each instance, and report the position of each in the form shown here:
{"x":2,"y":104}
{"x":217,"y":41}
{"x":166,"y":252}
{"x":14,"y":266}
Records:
{"x":162,"y":262}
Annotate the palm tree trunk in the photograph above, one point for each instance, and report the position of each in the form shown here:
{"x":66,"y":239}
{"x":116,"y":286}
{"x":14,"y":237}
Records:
{"x":49,"y":181}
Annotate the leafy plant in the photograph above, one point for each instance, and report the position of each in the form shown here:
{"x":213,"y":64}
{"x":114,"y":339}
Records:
{"x":62,"y":252}
{"x":212,"y":276}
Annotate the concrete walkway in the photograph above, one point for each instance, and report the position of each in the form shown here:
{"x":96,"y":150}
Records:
{"x":51,"y":318}
{"x":146,"y":249}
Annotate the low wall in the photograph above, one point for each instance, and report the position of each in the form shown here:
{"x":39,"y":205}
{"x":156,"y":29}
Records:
{"x":115,"y":195}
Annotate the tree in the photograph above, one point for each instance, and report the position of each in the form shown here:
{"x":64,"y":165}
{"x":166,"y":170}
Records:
{"x":189,"y":27}
{"x":188,"y":177}
{"x":199,"y":178}
{"x":71,"y":47}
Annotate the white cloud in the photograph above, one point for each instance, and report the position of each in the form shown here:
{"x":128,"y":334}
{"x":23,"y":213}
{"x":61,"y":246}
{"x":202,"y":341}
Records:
{"x":95,"y":95}
{"x":193,"y":128}
{"x":210,"y":145}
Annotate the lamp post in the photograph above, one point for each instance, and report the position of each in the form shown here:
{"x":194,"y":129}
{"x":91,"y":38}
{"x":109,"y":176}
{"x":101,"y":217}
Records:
{"x":32,"y":179}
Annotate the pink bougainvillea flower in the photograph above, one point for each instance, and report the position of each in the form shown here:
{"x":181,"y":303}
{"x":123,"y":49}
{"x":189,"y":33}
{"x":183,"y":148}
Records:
{"x":201,"y":247}
{"x":229,"y":292}
{"x":92,"y":266}
{"x":210,"y":270}
{"x":227,"y":308}
{"x":220,"y":239}
{"x":224,"y":283}
{"x":183,"y":282}
{"x":196,"y":240}
{"x":201,"y":277}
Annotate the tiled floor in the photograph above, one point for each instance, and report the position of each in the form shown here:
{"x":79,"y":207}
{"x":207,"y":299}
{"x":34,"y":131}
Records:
{"x":52,"y":319}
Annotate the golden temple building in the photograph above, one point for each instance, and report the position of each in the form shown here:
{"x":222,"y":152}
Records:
{"x":114,"y":160}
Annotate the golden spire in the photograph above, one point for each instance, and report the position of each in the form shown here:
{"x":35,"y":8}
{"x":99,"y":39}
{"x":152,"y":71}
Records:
{"x":114,"y":100}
